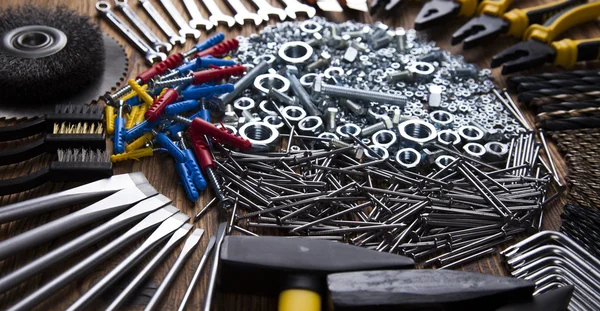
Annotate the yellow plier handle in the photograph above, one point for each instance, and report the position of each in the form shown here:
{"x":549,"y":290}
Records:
{"x":520,"y":19}
{"x":467,"y":7}
{"x":494,"y":7}
{"x":569,"y":52}
{"x":563,"y":21}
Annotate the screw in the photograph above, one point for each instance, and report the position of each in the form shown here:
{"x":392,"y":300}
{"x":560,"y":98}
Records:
{"x":323,"y":61}
{"x":356,"y":108}
{"x":400,"y":37}
{"x":320,"y":88}
{"x":302,"y":95}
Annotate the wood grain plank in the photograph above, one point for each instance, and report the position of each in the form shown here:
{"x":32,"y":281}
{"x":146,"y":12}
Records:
{"x":160,"y":172}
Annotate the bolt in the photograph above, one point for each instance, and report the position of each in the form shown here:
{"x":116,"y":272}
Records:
{"x":320,"y":88}
{"x":323,"y":61}
{"x":384,"y":124}
{"x":283,"y":98}
{"x":330,"y":119}
{"x":381,"y":42}
{"x":230,"y":117}
{"x":302,"y":95}
{"x":356,"y":108}
{"x":243,"y":83}
{"x":400,"y":76}
{"x":316,"y":41}
{"x":400,"y":37}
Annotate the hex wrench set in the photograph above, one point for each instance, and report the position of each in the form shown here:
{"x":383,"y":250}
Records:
{"x":133,"y":204}
{"x":552,"y":259}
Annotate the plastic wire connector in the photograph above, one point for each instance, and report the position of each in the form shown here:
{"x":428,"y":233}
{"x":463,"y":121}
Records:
{"x":194,"y":170}
{"x":131,"y":117}
{"x":166,"y":98}
{"x":170,"y":63}
{"x":140,"y":129}
{"x":109,"y":113}
{"x":217,"y":74}
{"x":132,"y":155}
{"x":118,"y":143}
{"x":200,"y":127}
{"x":164,"y":141}
{"x":186,"y":181}
{"x":200,"y":92}
{"x":201,"y":149}
{"x":139,"y":142}
{"x":210,"y":42}
{"x":140,"y":92}
{"x":192,"y":65}
{"x":206,"y":62}
{"x":182,"y":106}
{"x":220,"y":49}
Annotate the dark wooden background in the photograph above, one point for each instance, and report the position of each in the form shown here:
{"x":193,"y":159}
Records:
{"x":160,"y":172}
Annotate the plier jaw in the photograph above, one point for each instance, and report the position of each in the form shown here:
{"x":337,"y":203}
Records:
{"x":479,"y":29}
{"x":435,"y":12}
{"x":387,"y":5}
{"x":524,"y":55}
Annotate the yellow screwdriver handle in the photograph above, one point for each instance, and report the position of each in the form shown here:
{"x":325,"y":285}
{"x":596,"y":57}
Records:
{"x":569,"y":52}
{"x":563,"y":21}
{"x":494,"y":7}
{"x":299,"y":300}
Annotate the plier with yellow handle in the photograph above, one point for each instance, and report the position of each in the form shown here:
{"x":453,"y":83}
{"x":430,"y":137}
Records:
{"x":440,"y":11}
{"x":492,"y":21}
{"x":539,"y":46}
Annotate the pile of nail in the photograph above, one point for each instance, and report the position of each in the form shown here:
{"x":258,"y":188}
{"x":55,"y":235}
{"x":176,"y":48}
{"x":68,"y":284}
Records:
{"x":552,"y":259}
{"x":452,"y":213}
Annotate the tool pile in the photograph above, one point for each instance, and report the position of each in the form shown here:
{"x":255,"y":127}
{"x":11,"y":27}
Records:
{"x":552,"y":260}
{"x":132,"y":202}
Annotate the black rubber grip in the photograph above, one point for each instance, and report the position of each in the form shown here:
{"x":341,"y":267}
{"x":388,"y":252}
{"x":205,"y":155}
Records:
{"x":22,"y":130}
{"x":23,"y":152}
{"x":588,"y":50}
{"x":23,"y":183}
{"x":547,"y":15}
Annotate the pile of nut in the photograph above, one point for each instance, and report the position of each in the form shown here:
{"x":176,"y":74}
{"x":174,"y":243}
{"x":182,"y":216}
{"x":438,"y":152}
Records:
{"x":393,"y":89}
{"x":388,"y":143}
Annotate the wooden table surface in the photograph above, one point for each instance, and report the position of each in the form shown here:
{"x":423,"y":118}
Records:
{"x":160,"y":172}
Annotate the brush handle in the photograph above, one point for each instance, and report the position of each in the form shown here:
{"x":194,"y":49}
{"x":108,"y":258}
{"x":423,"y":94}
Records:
{"x":22,"y":183}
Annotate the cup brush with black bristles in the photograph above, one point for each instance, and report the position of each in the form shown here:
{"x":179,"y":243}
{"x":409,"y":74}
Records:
{"x":72,"y":165}
{"x":63,"y":136}
{"x":62,"y":114}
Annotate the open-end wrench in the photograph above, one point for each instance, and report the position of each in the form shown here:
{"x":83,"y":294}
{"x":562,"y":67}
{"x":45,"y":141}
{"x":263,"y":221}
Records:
{"x":137,"y":21}
{"x":217,"y":15}
{"x":184,"y":28}
{"x":197,"y":18}
{"x":150,"y":54}
{"x":293,"y":6}
{"x":243,"y":14}
{"x":174,"y":38}
{"x":264,"y":9}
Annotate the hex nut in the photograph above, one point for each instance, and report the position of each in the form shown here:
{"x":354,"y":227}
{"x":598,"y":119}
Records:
{"x":474,"y":150}
{"x":448,"y":137}
{"x":441,"y":119}
{"x":470,"y":134}
{"x":416,"y":132}
{"x":311,"y":125}
{"x":293,"y":114}
{"x":376,"y":149}
{"x":444,"y":160}
{"x":384,"y":138}
{"x":408,"y":158}
{"x":260,"y":134}
{"x":348,"y":128}
{"x":495,"y":151}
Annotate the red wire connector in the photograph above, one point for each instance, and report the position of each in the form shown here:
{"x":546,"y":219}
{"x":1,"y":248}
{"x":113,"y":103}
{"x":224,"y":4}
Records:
{"x":220,"y":49}
{"x":217,"y":73}
{"x":200,"y":127}
{"x":156,"y":110}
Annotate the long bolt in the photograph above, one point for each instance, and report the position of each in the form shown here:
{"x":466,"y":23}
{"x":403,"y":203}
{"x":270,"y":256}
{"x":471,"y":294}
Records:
{"x":303,"y":96}
{"x":243,"y":83}
{"x":283,"y":98}
{"x":320,"y":88}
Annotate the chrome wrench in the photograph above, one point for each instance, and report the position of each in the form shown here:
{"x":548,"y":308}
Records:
{"x":293,"y":6}
{"x":157,"y":44}
{"x":242,"y":13}
{"x":150,"y":54}
{"x":264,"y":9}
{"x":217,"y":15}
{"x":174,"y":38}
{"x":197,"y":18}
{"x":184,"y":29}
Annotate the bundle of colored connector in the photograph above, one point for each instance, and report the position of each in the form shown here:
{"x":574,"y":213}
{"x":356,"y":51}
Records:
{"x":157,"y":108}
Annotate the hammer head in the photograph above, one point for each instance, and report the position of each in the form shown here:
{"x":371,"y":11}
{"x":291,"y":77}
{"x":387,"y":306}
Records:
{"x":245,"y":260}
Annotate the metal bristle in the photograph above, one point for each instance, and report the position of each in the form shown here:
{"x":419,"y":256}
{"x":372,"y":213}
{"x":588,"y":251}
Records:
{"x":88,"y":109}
{"x":82,"y":155}
{"x":79,"y":128}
